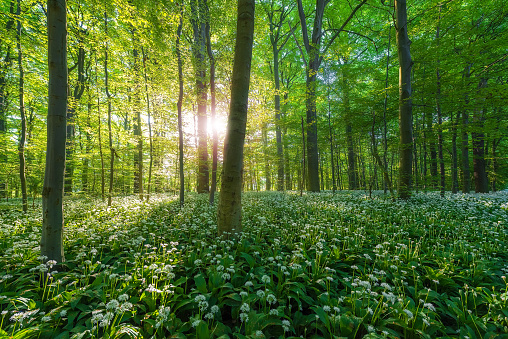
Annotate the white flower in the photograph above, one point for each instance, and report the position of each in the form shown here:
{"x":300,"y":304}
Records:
{"x":63,"y":313}
{"x":265,"y":279}
{"x":113,"y":304}
{"x":244,"y":317}
{"x":326,"y":308}
{"x":409,"y":313}
{"x":273,"y":312}
{"x":270,"y":298}
{"x":123,"y":297}
{"x":260,"y":294}
{"x":214,"y":309}
{"x":249,"y":284}
{"x":245,"y":308}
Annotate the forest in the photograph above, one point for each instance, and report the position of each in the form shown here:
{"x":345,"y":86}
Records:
{"x":253,"y":169}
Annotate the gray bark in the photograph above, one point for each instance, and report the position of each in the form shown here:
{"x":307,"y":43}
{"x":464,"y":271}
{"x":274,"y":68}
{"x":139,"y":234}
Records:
{"x":52,"y":193}
{"x":229,"y":213}
{"x":405,"y":106}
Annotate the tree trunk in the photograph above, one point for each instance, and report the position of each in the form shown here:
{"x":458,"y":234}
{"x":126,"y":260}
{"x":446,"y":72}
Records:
{"x":478,"y":137}
{"x":71,"y":109}
{"x":268,"y":180}
{"x":138,"y":131}
{"x":198,"y":51}
{"x":455,"y":181}
{"x":179,"y":105}
{"x":405,"y":107}
{"x":4,"y":67}
{"x":149,"y":126}
{"x":229,"y":213}
{"x":22,"y":139}
{"x":303,"y":179}
{"x":52,"y":193}
{"x":385,"y":106}
{"x":215,"y":136}
{"x":334,"y":186}
{"x":439,"y":117}
{"x":106,"y":84}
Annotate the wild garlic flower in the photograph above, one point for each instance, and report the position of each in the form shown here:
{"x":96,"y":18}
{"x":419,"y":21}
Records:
{"x":265,"y":279}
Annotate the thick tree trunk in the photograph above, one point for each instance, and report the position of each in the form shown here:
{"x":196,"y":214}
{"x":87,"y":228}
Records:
{"x":198,"y":50}
{"x":179,"y":105}
{"x":52,"y":192}
{"x":303,"y":178}
{"x":22,"y":138}
{"x":466,"y":174}
{"x":405,"y":107}
{"x":229,"y":213}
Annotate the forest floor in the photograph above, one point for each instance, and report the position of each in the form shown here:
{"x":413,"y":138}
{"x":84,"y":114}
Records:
{"x":317,"y":266}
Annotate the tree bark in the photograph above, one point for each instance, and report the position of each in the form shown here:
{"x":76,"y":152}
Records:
{"x":138,"y":131}
{"x":71,"y":110}
{"x":22,"y":139}
{"x":478,"y":137}
{"x":405,"y":106}
{"x":53,"y":190}
{"x":149,"y":126}
{"x":215,"y":136}
{"x":229,"y":213}
{"x":179,"y":106}
{"x":108,"y":95}
{"x":439,"y":117}
{"x":198,"y":51}
{"x":455,"y":181}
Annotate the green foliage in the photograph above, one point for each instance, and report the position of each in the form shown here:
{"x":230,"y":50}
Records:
{"x":321,"y":265}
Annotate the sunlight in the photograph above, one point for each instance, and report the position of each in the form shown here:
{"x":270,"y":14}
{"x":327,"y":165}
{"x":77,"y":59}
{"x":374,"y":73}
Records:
{"x":220,"y":125}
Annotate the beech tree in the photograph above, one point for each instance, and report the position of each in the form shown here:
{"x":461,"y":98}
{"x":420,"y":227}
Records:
{"x":53,"y":190}
{"x":405,"y":106}
{"x":229,"y":212}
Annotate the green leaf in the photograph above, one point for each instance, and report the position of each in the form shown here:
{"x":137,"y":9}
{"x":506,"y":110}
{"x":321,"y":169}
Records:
{"x":202,"y":331}
{"x":200,"y":282}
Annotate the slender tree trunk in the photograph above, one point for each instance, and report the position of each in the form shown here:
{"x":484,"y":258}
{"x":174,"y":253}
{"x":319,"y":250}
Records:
{"x":53,"y":190}
{"x":179,"y":105}
{"x":378,"y":159}
{"x":71,"y":110}
{"x":455,"y":181}
{"x":106,"y":84}
{"x":302,"y":186}
{"x":99,"y":135}
{"x":268,"y":180}
{"x":439,"y":117}
{"x":215,"y":136}
{"x":4,"y":70}
{"x":22,"y":139}
{"x":405,"y":107}
{"x":138,"y":131}
{"x":478,"y":138}
{"x":334,"y":186}
{"x":385,"y":106}
{"x":229,"y":213}
{"x":149,"y":126}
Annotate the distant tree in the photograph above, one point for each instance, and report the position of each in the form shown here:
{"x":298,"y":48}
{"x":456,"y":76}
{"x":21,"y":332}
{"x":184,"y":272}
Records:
{"x":229,"y":213}
{"x":53,"y":190}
